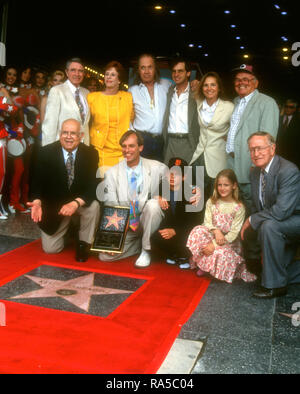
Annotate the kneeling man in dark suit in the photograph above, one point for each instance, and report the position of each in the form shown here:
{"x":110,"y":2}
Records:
{"x":64,"y":184}
{"x":275,"y":219}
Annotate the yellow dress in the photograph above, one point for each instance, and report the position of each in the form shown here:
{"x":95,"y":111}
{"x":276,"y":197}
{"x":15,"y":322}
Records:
{"x":110,"y":119}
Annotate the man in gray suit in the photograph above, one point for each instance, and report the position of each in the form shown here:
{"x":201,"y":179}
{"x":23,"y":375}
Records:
{"x":253,"y":111}
{"x":67,"y":101}
{"x":275,"y":218}
{"x":181,"y":127}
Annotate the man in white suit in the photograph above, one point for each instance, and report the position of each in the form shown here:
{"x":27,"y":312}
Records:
{"x":67,"y":101}
{"x":117,"y":191}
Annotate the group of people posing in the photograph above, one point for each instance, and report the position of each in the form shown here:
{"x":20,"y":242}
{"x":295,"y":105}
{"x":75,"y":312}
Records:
{"x":240,"y":219}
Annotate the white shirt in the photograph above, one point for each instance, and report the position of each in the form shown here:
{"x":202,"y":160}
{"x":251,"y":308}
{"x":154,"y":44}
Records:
{"x":139,"y":178}
{"x":83,"y":101}
{"x":207,"y":111}
{"x":178,"y":119}
{"x":235,"y":120}
{"x":149,"y":117}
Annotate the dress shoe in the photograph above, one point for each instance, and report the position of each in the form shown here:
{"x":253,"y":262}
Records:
{"x":82,"y":251}
{"x":270,"y":293}
{"x":143,"y":260}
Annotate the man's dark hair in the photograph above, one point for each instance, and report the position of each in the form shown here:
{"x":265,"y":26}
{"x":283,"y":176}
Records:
{"x":74,"y":60}
{"x":139,"y":137}
{"x":176,"y":60}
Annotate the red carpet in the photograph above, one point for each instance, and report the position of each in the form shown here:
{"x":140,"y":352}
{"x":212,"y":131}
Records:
{"x":135,"y":338}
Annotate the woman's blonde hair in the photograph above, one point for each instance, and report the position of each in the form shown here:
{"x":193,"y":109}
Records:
{"x":230,"y":175}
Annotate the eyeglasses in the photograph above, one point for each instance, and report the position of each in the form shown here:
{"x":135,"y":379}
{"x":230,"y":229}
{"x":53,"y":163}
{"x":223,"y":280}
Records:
{"x":244,"y":80}
{"x":258,"y":149}
{"x":73,"y":134}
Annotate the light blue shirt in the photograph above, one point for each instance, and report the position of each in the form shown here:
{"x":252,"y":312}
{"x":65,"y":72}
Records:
{"x":148,"y":115}
{"x":235,"y":120}
{"x":139,"y":178}
{"x":66,"y":154}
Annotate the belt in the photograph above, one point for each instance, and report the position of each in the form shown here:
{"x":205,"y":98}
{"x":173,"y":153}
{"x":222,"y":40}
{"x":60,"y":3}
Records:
{"x":150,"y":134}
{"x":231,"y":154}
{"x":177,"y":135}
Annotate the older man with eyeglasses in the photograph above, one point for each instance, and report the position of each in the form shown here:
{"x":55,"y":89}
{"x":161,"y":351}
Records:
{"x":275,"y":218}
{"x":253,"y":111}
{"x":64,"y":185}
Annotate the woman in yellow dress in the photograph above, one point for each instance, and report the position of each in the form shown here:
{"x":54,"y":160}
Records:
{"x":111,"y":113}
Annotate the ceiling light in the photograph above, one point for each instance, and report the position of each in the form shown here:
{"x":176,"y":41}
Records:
{"x":183,"y":25}
{"x":277,"y":6}
{"x":242,"y":47}
{"x":233,"y":26}
{"x":191,"y":45}
{"x":200,"y":46}
{"x":227,"y":12}
{"x":238,"y":38}
{"x":285,"y":49}
{"x":283,"y":13}
{"x":172,"y":12}
{"x":285,"y":57}
{"x":158,"y":7}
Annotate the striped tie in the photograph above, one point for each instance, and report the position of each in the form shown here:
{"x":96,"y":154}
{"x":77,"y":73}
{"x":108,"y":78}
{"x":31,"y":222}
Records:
{"x":80,"y":106}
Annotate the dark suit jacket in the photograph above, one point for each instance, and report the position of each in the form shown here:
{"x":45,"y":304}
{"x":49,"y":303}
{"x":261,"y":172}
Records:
{"x":180,"y":220}
{"x":50,"y":181}
{"x":288,"y":140}
{"x":282,"y":194}
{"x":193,"y":124}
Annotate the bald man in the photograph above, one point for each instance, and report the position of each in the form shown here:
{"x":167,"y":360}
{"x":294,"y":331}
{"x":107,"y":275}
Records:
{"x":64,"y":185}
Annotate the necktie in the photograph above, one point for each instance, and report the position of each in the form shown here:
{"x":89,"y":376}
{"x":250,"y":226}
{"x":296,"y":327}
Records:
{"x":285,"y":123}
{"x":80,"y":106}
{"x":70,"y":168}
{"x":263,"y":186}
{"x":134,"y":216}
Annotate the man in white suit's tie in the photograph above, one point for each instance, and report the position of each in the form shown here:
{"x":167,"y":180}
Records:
{"x":67,"y":101}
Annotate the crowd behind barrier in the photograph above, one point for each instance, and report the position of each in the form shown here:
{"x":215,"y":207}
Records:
{"x":143,"y":137}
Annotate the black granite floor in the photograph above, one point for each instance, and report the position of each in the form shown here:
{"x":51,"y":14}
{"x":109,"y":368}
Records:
{"x":241,"y":335}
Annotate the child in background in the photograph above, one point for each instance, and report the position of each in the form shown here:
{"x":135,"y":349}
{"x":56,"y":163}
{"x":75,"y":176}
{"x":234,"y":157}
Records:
{"x":215,"y":246}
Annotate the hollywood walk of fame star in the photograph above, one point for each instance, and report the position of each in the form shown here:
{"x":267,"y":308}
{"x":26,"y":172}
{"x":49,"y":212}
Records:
{"x":114,"y":220}
{"x":77,"y":291}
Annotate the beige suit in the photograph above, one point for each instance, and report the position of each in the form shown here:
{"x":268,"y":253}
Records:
{"x":115,"y":191}
{"x":212,"y":138}
{"x":61,"y":105}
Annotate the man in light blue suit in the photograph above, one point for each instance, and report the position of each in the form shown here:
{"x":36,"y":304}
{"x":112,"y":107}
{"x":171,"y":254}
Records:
{"x":254,"y":111}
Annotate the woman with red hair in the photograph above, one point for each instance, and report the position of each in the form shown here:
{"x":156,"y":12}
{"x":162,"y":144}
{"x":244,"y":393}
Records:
{"x":111,"y":113}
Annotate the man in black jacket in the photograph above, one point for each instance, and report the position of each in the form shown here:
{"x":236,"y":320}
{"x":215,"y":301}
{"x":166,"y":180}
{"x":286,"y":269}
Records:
{"x":64,"y":185}
{"x":179,"y":220}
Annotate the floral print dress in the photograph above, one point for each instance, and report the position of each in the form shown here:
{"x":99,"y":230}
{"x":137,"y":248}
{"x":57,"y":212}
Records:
{"x":226,"y":263}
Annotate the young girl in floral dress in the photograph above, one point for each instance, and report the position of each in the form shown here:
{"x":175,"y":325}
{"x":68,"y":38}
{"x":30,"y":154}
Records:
{"x":215,"y":246}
